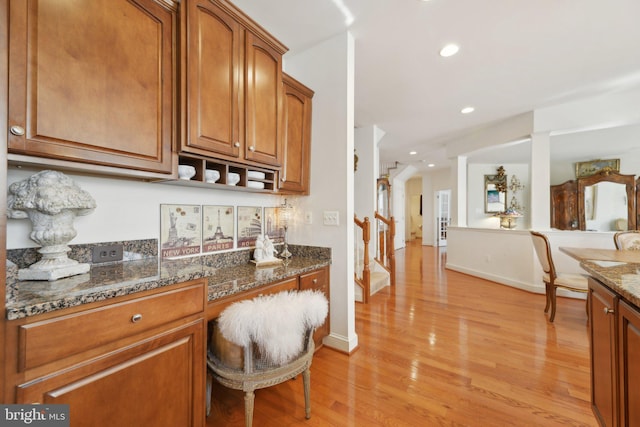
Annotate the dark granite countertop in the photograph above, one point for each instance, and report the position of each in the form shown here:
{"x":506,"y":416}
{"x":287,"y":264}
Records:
{"x":622,"y":277}
{"x":226,"y":276}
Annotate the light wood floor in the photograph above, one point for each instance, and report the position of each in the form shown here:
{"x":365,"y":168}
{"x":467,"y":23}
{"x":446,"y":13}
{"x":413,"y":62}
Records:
{"x":441,"y":349}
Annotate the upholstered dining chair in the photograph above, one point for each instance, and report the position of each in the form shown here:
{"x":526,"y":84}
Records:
{"x":627,"y":240}
{"x":552,"y":279}
{"x":265,"y":341}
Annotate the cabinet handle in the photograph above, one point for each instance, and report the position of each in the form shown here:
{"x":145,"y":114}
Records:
{"x":283,"y":179}
{"x":252,"y":148}
{"x":136,"y":318}
{"x":315,"y":281}
{"x":236,"y":144}
{"x":16,"y":130}
{"x":608,"y":310}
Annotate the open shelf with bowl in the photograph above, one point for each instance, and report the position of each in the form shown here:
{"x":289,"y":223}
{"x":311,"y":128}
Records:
{"x":205,"y":172}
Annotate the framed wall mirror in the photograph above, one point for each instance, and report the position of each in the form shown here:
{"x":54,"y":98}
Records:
{"x":495,"y":192}
{"x":606,"y":202}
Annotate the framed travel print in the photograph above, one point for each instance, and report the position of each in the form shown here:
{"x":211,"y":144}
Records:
{"x":217,"y":228}
{"x":180,"y":232}
{"x":249,"y":225}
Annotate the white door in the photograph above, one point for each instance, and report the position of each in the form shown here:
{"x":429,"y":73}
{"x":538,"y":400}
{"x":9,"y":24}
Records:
{"x":443,"y":216}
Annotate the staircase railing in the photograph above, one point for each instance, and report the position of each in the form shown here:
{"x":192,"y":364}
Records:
{"x":385,"y":251}
{"x":362,"y":277}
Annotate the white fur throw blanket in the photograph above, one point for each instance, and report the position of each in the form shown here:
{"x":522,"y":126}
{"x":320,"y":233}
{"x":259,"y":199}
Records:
{"x":276,"y":323}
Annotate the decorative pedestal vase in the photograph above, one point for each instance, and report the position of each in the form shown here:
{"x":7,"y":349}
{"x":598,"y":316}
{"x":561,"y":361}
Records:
{"x":51,"y":201}
{"x":53,"y":233}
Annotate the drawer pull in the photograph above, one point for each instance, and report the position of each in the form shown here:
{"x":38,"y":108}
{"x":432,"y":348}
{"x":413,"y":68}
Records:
{"x":236,"y":144}
{"x":315,"y":281}
{"x":136,"y":318}
{"x":608,"y":310}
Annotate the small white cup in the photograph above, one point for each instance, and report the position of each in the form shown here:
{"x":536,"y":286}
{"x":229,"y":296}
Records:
{"x":233,"y":178}
{"x":186,"y":172}
{"x":211,"y":175}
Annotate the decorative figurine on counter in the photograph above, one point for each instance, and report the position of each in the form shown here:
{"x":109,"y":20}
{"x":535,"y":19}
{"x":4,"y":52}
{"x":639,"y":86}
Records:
{"x":264,"y":253}
{"x":51,"y":200}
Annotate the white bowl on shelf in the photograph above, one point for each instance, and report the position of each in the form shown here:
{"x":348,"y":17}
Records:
{"x":186,"y":172}
{"x":211,"y":175}
{"x":255,"y":175}
{"x":255,"y":184}
{"x":233,"y":178}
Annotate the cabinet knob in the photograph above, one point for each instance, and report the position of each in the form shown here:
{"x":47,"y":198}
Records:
{"x":608,"y":310}
{"x":283,"y":179}
{"x":252,"y":148}
{"x":236,"y":144}
{"x":136,"y":318}
{"x":16,"y":130}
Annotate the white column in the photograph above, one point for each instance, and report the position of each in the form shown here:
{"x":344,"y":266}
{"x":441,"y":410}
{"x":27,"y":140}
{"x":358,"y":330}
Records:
{"x":540,"y":180}
{"x":459,"y":191}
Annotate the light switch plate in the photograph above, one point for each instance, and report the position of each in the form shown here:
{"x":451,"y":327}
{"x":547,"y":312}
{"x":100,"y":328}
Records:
{"x":308,"y":217}
{"x":330,"y":218}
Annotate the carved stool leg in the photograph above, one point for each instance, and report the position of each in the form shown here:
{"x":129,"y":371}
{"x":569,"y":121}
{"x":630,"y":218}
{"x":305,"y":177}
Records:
{"x":248,"y":408}
{"x":209,"y":387}
{"x":306,"y":380}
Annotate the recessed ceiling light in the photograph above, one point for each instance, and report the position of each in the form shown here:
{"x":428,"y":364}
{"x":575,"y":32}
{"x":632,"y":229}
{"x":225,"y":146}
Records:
{"x":413,"y":153}
{"x":467,"y":110}
{"x":449,"y":50}
{"x":430,"y":165}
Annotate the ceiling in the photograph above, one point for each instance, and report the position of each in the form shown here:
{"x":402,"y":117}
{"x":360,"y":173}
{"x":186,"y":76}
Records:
{"x":515,"y":56}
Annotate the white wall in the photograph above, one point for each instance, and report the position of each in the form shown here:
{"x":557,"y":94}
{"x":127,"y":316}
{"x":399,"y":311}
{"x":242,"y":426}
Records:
{"x":128,"y":209}
{"x":508,"y":257}
{"x":476,"y":215}
{"x":328,"y":69}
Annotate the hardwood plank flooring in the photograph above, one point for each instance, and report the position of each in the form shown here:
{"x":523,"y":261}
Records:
{"x":440,"y":349}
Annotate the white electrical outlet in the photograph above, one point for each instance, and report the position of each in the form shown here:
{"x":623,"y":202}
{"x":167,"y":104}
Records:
{"x":330,"y":218}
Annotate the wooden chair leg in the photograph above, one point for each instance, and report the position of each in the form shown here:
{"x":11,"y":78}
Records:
{"x":248,"y":408}
{"x":209,"y":387}
{"x":553,"y":303}
{"x":546,"y":292}
{"x":306,"y":380}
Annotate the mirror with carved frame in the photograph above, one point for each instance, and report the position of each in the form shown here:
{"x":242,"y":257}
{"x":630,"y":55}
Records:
{"x":606,"y":202}
{"x":495,"y":192}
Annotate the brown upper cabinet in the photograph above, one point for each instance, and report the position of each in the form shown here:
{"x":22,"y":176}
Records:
{"x":94,"y":82}
{"x":232,"y":75}
{"x":295,"y":173}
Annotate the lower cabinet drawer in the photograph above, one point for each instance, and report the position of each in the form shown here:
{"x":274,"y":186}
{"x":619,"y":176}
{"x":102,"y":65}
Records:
{"x":60,"y":337}
{"x":316,"y":280}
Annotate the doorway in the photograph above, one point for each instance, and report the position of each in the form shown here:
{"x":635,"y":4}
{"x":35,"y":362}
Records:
{"x":443,"y":216}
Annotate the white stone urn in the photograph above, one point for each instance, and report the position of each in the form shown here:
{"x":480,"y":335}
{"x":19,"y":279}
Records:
{"x":51,"y":200}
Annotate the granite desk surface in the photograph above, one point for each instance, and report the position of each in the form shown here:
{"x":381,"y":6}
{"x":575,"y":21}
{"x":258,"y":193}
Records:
{"x":618,"y":270}
{"x":29,"y":298}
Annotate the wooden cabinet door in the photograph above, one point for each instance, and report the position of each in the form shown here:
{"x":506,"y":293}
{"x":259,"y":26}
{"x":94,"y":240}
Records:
{"x":214,"y":72}
{"x":93,"y":81}
{"x":158,"y":382}
{"x":297,"y":137}
{"x":629,"y":363}
{"x":564,"y":206}
{"x":318,"y":280}
{"x":263,"y":85}
{"x":604,"y":395}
